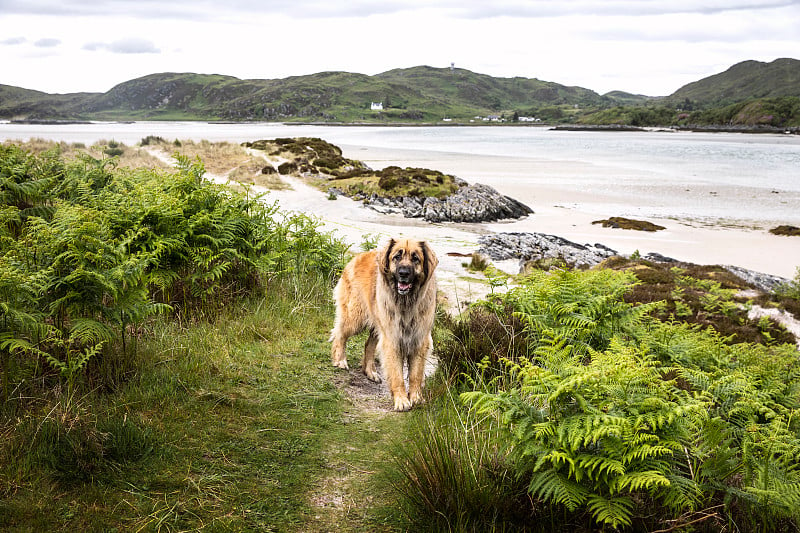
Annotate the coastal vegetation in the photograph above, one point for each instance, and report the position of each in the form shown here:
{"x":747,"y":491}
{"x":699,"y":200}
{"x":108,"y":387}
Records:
{"x":749,"y":95}
{"x":165,"y":367}
{"x":323,"y":166}
{"x":785,"y":230}
{"x":572,"y":410}
{"x":629,"y":223}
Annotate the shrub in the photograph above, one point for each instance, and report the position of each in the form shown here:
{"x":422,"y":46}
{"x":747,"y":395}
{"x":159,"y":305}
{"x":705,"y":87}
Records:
{"x":114,"y":149}
{"x":482,"y":336}
{"x":152,"y":139}
{"x":329,"y":163}
{"x":287,"y":168}
{"x":387,"y":183}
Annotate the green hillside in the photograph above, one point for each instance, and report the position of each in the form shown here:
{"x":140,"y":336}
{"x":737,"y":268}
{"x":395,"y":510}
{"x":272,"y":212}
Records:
{"x":419,"y":93}
{"x":748,"y":94}
{"x":744,"y":81}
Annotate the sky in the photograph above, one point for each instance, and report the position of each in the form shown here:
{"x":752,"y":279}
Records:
{"x":650,"y":47}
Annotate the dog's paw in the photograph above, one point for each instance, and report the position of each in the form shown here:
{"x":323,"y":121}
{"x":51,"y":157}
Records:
{"x":341,"y":364}
{"x":401,"y":403}
{"x":373,"y":376}
{"x":416,"y":398}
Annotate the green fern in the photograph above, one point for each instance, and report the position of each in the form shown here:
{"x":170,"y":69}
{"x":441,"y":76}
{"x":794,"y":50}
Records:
{"x":616,"y":410}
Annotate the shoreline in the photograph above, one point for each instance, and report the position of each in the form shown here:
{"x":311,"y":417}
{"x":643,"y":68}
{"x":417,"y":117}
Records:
{"x":558,"y":210}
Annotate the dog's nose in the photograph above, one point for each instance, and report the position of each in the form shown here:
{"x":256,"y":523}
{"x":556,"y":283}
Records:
{"x":404,"y":272}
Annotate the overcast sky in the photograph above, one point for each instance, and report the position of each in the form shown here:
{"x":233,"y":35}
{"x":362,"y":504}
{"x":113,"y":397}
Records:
{"x":650,"y":47}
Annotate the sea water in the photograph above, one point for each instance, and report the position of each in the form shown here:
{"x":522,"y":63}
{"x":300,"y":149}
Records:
{"x":708,"y":177}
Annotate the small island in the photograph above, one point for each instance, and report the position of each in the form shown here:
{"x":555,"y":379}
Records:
{"x":412,"y":192}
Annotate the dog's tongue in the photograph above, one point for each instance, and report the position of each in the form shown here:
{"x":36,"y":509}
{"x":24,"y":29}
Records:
{"x":403,"y":287}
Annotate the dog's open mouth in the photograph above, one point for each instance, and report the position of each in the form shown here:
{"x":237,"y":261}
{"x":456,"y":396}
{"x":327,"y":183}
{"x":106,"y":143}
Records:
{"x":403,"y":288}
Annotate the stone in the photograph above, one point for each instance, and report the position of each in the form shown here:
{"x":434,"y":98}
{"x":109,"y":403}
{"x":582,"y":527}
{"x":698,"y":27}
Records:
{"x":536,"y":246}
{"x":761,"y":281}
{"x":471,"y":203}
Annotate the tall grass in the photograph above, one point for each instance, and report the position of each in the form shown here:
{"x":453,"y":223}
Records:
{"x":453,"y":474}
{"x":220,"y":426}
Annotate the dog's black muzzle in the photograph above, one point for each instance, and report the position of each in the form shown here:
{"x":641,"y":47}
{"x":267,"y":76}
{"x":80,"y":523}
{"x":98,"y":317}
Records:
{"x":405,"y":279}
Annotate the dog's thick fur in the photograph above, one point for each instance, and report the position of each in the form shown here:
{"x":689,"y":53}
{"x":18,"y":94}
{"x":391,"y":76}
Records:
{"x":392,"y":293}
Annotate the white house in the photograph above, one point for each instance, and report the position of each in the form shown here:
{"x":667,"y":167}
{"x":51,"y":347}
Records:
{"x":376,"y":106}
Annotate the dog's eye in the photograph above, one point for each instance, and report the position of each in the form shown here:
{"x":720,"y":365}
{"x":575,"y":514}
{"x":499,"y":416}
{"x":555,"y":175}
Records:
{"x":415,"y":258}
{"x":398,"y":256}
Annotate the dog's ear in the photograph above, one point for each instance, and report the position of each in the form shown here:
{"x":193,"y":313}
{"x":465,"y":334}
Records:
{"x":384,"y":255}
{"x":429,"y":260}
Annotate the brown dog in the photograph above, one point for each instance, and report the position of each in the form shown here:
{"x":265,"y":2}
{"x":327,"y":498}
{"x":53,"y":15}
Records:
{"x":391,"y":292}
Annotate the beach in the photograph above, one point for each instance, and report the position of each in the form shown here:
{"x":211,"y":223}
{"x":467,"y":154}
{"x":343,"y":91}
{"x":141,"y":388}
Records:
{"x":717,"y":194}
{"x":559,"y":209}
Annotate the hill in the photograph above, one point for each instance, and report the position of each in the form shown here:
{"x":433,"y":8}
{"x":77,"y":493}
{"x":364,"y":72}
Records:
{"x":423,"y":94}
{"x":744,"y":81}
{"x":419,"y":93}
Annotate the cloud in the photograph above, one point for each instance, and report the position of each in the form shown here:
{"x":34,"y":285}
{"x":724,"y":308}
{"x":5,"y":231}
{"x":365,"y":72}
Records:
{"x":610,"y":8}
{"x":13,"y":41}
{"x":470,"y":9}
{"x":132,"y":45}
{"x":47,"y":43}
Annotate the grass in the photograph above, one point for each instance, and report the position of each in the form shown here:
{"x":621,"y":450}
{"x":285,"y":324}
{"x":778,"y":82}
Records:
{"x":217,"y":157}
{"x":233,"y":425}
{"x":128,"y":156}
{"x":221,"y":158}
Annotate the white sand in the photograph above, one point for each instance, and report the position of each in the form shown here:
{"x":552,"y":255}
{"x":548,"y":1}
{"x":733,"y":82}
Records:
{"x":559,"y":210}
{"x":565,"y":211}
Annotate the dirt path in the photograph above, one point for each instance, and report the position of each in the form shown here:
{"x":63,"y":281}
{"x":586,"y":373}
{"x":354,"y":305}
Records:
{"x":342,"y":500}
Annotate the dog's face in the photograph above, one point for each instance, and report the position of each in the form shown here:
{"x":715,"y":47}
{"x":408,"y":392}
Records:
{"x":407,"y":264}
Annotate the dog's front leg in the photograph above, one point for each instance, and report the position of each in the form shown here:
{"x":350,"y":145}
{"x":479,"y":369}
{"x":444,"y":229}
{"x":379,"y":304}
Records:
{"x":392,"y":362}
{"x":416,"y":370}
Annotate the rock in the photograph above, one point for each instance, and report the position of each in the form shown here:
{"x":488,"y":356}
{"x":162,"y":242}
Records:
{"x":536,"y":246}
{"x":541,"y":250}
{"x":761,"y":281}
{"x":658,"y":258}
{"x":471,"y":203}
{"x":474,"y":203}
{"x":412,"y":207}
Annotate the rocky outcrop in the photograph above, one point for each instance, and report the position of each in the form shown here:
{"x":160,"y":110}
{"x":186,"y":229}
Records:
{"x":534,"y":246}
{"x":471,"y":203}
{"x":759,"y":280}
{"x":539,"y":246}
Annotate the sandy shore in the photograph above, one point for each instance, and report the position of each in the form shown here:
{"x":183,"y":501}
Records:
{"x":559,"y":210}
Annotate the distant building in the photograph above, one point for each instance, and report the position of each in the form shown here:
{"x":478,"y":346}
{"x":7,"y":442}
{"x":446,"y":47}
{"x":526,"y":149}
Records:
{"x":529,"y":119}
{"x":376,"y":106}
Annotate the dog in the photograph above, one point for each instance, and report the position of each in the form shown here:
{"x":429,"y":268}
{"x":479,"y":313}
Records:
{"x":392,"y":293}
